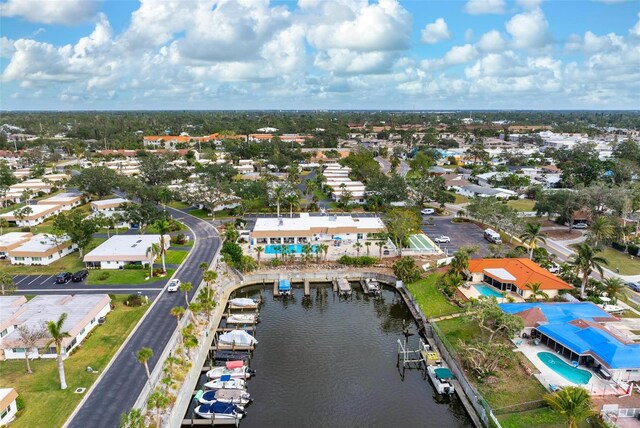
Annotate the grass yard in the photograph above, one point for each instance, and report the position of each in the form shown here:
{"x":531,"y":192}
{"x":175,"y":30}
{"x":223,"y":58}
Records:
{"x":70,"y":263}
{"x":123,"y":276}
{"x":543,"y":417}
{"x":522,"y":204}
{"x":200,"y":213}
{"x":432,"y":302}
{"x":623,"y":261}
{"x":45,"y":403}
{"x":178,"y":205}
{"x":460,"y":199}
{"x":175,"y":257}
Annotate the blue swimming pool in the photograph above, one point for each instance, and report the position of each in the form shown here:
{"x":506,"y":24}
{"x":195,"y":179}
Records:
{"x":570,"y":373}
{"x":290,"y":248}
{"x":487,"y":290}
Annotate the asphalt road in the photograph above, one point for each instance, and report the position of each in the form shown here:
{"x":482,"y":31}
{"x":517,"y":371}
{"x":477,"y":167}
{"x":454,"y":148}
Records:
{"x":461,"y":234}
{"x":36,"y":284}
{"x":122,"y":383}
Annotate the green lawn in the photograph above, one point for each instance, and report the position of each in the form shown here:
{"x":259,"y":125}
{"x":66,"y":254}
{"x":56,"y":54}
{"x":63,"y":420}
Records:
{"x":122,"y":276}
{"x":70,"y":263}
{"x":431,"y":301}
{"x":151,"y":229}
{"x":45,"y":403}
{"x":619,"y":260}
{"x":460,"y":199}
{"x":175,"y":257}
{"x":543,"y":417}
{"x":178,"y":205}
{"x":522,"y":204}
{"x":200,"y":213}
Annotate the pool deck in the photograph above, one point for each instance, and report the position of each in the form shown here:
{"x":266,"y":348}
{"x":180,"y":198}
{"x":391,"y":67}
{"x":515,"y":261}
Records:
{"x":547,"y":376}
{"x":468,"y":291}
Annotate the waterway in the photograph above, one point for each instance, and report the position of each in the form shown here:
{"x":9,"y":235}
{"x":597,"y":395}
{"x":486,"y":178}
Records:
{"x":325,"y":361}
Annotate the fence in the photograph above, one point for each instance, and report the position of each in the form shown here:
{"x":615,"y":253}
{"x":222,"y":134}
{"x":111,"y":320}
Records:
{"x":479,"y":404}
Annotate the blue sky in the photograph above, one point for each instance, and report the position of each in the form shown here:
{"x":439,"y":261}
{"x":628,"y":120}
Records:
{"x":319,"y":54}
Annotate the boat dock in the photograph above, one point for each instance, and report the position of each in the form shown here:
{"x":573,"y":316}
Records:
{"x":204,"y":422}
{"x":225,"y":347}
{"x":250,"y":328}
{"x":342,"y":286}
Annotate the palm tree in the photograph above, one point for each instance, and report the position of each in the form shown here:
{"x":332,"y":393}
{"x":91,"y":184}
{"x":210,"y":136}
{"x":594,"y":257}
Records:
{"x":143,"y":356}
{"x":203,"y":266}
{"x":368,"y":245}
{"x":530,"y":235}
{"x":572,"y":402}
{"x":306,"y":249}
{"x":259,"y":250}
{"x":3,"y":223}
{"x":185,"y":287}
{"x":22,"y":213}
{"x":380,"y":244}
{"x":536,"y":290}
{"x":613,"y":287}
{"x":357,"y":246}
{"x":158,"y":400}
{"x":459,"y":263}
{"x":154,"y":249}
{"x":292,"y":199}
{"x":7,"y":284}
{"x":163,"y":228}
{"x":133,"y":419}
{"x":178,"y":312}
{"x":585,"y":261}
{"x":57,"y":336}
{"x":325,"y":249}
{"x":601,"y":229}
{"x":278,"y":192}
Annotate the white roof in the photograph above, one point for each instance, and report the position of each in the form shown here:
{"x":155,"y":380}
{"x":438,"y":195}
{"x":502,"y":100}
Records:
{"x":124,"y":247}
{"x":13,"y":237}
{"x":41,"y":243}
{"x":308,"y":222}
{"x":500,"y":273}
{"x":9,"y":305}
{"x":109,"y":202}
{"x":61,"y":198}
{"x":36,"y":210}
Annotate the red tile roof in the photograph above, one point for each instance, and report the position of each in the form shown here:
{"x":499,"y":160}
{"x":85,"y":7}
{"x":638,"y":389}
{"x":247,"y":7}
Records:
{"x":524,"y":270}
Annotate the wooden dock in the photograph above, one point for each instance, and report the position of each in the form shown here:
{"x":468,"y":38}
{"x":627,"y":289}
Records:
{"x":240,"y":327}
{"x":335,"y":285}
{"x":204,"y":422}
{"x":307,"y":287}
{"x":225,"y":347}
{"x":276,"y":291}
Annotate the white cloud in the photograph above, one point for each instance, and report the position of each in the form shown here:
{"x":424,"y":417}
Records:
{"x":491,"y":41}
{"x":455,"y":56}
{"x":635,"y":31}
{"x":481,"y":7}
{"x":435,"y":32}
{"x":592,"y":43}
{"x":529,"y":30}
{"x":7,"y":48}
{"x":67,"y":12}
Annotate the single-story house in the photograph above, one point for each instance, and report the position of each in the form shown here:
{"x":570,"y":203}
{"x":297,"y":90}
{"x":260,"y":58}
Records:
{"x":38,"y":214}
{"x":67,"y":201}
{"x":580,"y":333}
{"x":471,"y":191}
{"x":41,"y":249}
{"x":513,"y":275}
{"x":121,"y":250}
{"x":306,"y":228}
{"x":83,"y":314}
{"x":8,"y":405}
{"x":112,"y":204}
{"x":12,"y":240}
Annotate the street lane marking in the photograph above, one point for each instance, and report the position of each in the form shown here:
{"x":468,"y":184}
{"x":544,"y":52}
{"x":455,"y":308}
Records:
{"x":34,"y":279}
{"x":46,"y":281}
{"x":26,"y":277}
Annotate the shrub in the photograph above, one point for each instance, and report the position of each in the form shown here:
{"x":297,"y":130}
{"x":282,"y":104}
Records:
{"x":25,"y":229}
{"x":632,"y":249}
{"x":406,"y":270}
{"x":618,"y":246}
{"x":104,"y":276}
{"x":158,"y":272}
{"x":133,"y":267}
{"x":275,"y":262}
{"x":135,"y":300}
{"x":357,"y":261}
{"x":179,"y":239}
{"x":19,"y":403}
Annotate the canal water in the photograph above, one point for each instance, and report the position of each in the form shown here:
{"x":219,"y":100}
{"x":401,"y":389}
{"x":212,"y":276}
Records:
{"x":325,"y":361}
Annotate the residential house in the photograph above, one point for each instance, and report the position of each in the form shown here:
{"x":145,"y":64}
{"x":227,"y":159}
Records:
{"x":41,"y":249}
{"x":66,"y":201}
{"x":8,"y":405}
{"x":121,"y":250}
{"x":38,"y":214}
{"x":12,"y":240}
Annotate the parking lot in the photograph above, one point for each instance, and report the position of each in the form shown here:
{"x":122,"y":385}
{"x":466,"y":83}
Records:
{"x":38,"y":283}
{"x":461,"y":234}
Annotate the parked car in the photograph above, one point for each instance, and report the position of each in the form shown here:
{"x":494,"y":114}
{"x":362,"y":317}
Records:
{"x":63,"y":277}
{"x":554,"y":268}
{"x":174,"y":285}
{"x":634,"y":286}
{"x":442,"y":239}
{"x":80,"y":275}
{"x":580,"y":226}
{"x":428,"y":211}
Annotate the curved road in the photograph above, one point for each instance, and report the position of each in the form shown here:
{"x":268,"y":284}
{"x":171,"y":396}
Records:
{"x":122,"y":383}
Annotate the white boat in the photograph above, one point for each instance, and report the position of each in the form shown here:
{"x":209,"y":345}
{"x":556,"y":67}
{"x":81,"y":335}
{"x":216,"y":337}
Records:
{"x":235,"y":396}
{"x":243,"y":303}
{"x":441,"y":377}
{"x":242,"y":319}
{"x":221,"y":413}
{"x":234,"y":369}
{"x":238,"y":338}
{"x":226,"y":382}
{"x":371,"y":287}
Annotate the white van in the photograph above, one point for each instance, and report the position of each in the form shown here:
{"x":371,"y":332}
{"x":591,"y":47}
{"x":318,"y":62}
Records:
{"x":492,"y":236}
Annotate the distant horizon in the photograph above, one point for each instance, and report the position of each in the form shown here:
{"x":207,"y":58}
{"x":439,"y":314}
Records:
{"x":308,"y":55}
{"x":345,"y":110}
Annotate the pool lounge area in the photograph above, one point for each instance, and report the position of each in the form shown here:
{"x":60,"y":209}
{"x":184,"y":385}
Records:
{"x":288,"y":248}
{"x":476,"y":290}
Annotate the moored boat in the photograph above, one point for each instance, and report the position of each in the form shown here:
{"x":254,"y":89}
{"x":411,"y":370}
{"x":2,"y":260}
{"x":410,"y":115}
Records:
{"x":242,"y":319}
{"x":221,"y":413}
{"x":234,"y":369}
{"x":226,"y":382}
{"x":243,"y":303}
{"x":235,"y":396}
{"x":441,"y":378}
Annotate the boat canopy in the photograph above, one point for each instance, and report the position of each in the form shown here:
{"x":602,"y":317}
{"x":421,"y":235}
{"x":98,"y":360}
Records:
{"x":237,"y":364}
{"x":237,"y":337}
{"x":218,"y":407}
{"x":443,"y":373}
{"x":241,"y":301}
{"x":225,"y":378}
{"x":284,"y":285}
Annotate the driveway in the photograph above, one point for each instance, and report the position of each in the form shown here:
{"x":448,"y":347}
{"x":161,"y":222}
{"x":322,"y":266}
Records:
{"x":461,"y":234}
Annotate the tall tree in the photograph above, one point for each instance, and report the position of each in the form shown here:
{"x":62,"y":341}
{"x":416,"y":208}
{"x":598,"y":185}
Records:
{"x":143,"y":356}
{"x":585,"y":261}
{"x":163,"y":227}
{"x":488,"y":315}
{"x":573,"y":403}
{"x":601,"y":229}
{"x":7,"y":284}
{"x":74,"y":225}
{"x":97,"y":181}
{"x":531,"y":235}
{"x":58,"y":335}
{"x":185,"y":287}
{"x":30,"y":337}
{"x":133,"y":419}
{"x":401,"y":223}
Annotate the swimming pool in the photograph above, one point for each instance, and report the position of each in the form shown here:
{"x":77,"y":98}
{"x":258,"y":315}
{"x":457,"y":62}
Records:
{"x":290,"y":248}
{"x":487,"y":290}
{"x":572,"y":374}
